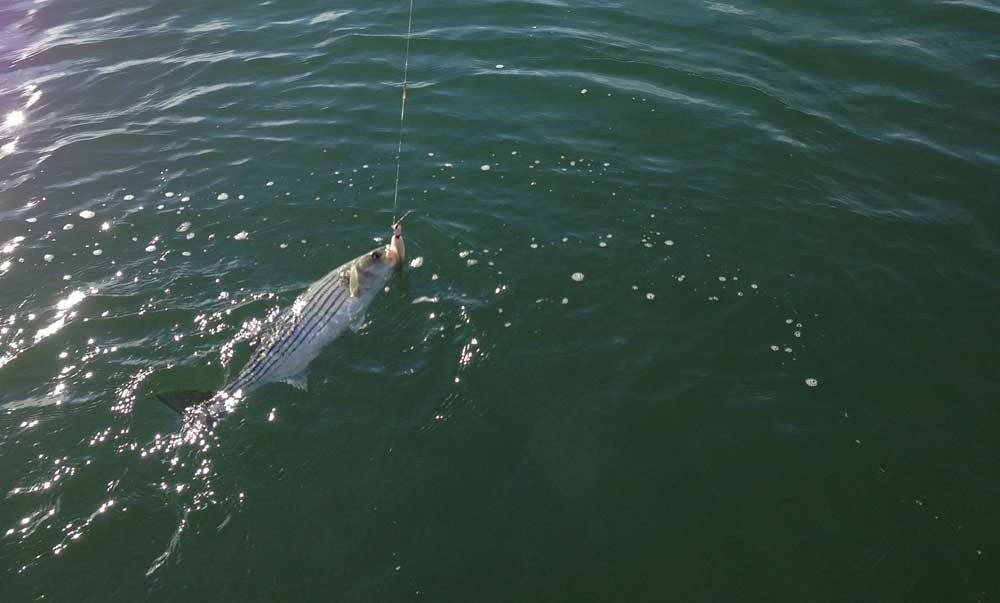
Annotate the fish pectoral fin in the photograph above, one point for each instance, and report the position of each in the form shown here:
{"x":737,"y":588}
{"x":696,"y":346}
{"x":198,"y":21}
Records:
{"x":299,"y":380}
{"x":355,"y":281}
{"x":355,"y":314}
{"x":182,"y":399}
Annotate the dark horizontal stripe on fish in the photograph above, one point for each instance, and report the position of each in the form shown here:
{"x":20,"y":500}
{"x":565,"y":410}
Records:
{"x":253,"y":370}
{"x":285,"y":326}
{"x":301,"y":334}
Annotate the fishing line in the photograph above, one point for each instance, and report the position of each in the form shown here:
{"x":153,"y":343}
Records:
{"x":402,"y":111}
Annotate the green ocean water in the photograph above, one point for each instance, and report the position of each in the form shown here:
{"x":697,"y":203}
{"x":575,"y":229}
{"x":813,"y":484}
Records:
{"x":777,"y":379}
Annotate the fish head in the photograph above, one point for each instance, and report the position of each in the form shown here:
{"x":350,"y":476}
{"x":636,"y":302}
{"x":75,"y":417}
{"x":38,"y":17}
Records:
{"x":376,"y":265}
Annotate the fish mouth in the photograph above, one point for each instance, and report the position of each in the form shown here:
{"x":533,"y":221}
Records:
{"x":393,"y":256}
{"x":395,"y":250}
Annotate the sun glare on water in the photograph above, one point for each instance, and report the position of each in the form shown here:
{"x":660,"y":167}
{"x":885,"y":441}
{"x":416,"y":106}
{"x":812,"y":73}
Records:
{"x":14,"y":119}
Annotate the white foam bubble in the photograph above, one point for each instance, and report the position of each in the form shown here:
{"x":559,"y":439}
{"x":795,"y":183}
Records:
{"x":129,"y":197}
{"x":87,"y":214}
{"x":577,"y":276}
{"x":241,"y":235}
{"x":650,"y":296}
{"x":417,"y":262}
{"x":68,"y":227}
{"x":222,"y":196}
{"x":812,"y":382}
{"x":485,"y":167}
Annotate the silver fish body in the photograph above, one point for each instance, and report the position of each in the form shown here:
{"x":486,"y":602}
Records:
{"x":331,"y":305}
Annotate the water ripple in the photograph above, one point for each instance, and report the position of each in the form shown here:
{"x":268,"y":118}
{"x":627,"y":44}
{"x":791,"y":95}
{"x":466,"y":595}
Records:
{"x":758,"y":194}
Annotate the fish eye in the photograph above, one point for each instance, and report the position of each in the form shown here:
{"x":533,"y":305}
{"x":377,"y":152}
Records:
{"x":376,"y":255}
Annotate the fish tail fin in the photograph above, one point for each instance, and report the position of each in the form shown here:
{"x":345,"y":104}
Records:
{"x":182,"y":399}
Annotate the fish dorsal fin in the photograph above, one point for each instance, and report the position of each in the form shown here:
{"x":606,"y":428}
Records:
{"x":355,"y":281}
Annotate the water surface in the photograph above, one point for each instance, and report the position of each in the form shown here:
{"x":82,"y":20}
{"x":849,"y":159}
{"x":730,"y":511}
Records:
{"x":774,"y":377}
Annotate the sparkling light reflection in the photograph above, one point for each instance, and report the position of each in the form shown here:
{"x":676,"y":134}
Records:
{"x":14,"y":119}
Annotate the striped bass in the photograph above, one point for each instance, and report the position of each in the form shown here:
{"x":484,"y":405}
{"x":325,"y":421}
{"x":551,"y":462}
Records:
{"x":319,"y":315}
